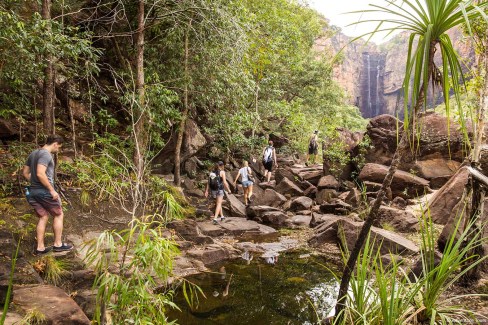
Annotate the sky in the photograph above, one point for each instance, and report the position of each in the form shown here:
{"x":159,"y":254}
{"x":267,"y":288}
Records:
{"x":335,"y":11}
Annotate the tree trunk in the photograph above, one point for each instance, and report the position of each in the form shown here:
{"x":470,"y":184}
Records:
{"x":48,"y":87}
{"x":186,"y":109}
{"x":139,"y":116}
{"x":400,"y":152}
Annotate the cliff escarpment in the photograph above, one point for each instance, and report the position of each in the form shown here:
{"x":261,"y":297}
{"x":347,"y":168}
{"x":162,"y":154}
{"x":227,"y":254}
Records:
{"x":372,"y":75}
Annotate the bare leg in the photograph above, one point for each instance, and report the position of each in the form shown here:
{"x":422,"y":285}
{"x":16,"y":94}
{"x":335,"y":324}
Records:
{"x":246,"y":194}
{"x":218,"y":206}
{"x":58,"y":230}
{"x":41,"y":231}
{"x":269,"y":176}
{"x":265,"y":174}
{"x":250,"y":191}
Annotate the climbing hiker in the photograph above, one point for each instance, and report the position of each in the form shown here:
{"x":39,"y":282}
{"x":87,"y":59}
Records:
{"x":313,"y":147}
{"x":247,"y":180}
{"x":216,"y":184}
{"x":269,"y":156}
{"x":41,"y":195}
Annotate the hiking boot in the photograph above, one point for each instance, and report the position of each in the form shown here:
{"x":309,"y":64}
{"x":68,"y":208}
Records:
{"x":215,"y":221}
{"x":222,"y":218}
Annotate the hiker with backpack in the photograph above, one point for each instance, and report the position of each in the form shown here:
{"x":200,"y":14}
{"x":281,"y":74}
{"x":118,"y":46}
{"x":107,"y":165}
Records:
{"x":247,"y":180}
{"x":313,"y":147}
{"x":216,"y":184}
{"x":269,"y":157}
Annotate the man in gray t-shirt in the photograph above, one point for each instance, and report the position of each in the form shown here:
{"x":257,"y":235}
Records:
{"x":39,"y":170}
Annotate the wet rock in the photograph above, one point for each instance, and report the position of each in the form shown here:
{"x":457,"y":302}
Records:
{"x":442,"y":204}
{"x":401,"y":220}
{"x":325,"y":195}
{"x":270,"y":198}
{"x":288,"y":187}
{"x":301,"y":203}
{"x":404,"y":184}
{"x":328,"y":182}
{"x":56,"y":305}
{"x":336,"y":206}
{"x":390,"y":242}
{"x":210,"y":254}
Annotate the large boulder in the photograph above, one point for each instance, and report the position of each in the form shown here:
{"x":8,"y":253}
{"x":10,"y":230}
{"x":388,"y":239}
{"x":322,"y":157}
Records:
{"x":210,"y":254}
{"x":286,"y":186}
{"x":236,"y":207}
{"x":404,"y":184}
{"x":57,"y":307}
{"x":442,"y":205}
{"x":325,"y":195}
{"x":189,"y":230}
{"x":282,"y":173}
{"x":326,"y":231}
{"x":270,"y":198}
{"x":390,"y":242}
{"x":193,"y":141}
{"x":301,"y":203}
{"x":328,"y":182}
{"x":401,"y":220}
{"x":268,"y":215}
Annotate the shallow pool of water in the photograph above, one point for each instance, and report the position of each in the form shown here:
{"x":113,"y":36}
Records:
{"x":295,"y":290}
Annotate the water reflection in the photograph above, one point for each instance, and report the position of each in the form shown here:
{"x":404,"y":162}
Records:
{"x":294,"y":291}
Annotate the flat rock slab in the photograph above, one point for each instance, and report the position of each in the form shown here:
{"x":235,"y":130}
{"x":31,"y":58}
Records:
{"x":234,"y":227}
{"x":210,"y":254}
{"x":54,"y":303}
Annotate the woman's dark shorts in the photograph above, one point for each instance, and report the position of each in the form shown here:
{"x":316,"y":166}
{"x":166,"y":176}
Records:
{"x":268,"y":165}
{"x":44,"y":204}
{"x":313,"y":151}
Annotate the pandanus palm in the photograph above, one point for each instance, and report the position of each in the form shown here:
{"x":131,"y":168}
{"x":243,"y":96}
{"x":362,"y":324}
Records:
{"x":428,"y":22}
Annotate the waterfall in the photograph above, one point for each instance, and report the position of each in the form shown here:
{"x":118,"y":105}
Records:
{"x":377,"y":101}
{"x":369,"y":83}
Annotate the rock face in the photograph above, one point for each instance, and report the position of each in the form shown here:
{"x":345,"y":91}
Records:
{"x":379,"y":69}
{"x":443,"y":204}
{"x":193,"y":141}
{"x":56,"y":305}
{"x":404,"y":184}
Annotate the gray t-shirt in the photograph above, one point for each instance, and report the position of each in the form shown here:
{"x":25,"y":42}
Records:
{"x":244,"y":174}
{"x":40,"y":157}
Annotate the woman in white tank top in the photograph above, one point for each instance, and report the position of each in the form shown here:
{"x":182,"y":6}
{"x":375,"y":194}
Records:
{"x":247,"y":181}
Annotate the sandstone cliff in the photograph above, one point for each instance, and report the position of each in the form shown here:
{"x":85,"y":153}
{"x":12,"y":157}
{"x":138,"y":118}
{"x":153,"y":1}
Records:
{"x":372,"y":75}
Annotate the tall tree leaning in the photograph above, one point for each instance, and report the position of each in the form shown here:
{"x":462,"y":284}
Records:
{"x":427,"y":21}
{"x":48,"y":86}
{"x":186,"y":110}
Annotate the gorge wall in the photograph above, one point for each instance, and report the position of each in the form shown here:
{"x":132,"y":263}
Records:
{"x":372,"y":75}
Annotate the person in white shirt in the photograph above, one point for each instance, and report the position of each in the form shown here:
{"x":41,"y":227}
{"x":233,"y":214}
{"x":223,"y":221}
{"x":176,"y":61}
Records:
{"x":247,"y":180}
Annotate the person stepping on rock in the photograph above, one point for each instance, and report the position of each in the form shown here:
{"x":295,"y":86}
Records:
{"x":247,"y":180}
{"x":269,"y":157}
{"x":216,"y":184}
